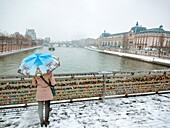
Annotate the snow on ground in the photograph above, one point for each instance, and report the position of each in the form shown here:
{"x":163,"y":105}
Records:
{"x":151,"y":59}
{"x":133,"y":112}
{"x":141,"y":57}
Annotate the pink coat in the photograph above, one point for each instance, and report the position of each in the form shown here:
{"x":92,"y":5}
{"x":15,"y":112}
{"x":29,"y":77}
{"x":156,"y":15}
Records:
{"x":43,"y":90}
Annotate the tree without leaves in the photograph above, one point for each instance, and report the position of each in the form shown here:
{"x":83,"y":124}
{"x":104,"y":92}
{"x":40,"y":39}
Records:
{"x":161,"y":45}
{"x":125,"y":42}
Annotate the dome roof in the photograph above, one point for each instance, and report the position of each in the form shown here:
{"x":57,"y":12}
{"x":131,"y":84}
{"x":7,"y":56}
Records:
{"x":138,"y":28}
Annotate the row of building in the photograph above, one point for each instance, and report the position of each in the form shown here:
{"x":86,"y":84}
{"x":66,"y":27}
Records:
{"x":137,"y":38}
{"x":31,"y":33}
{"x":18,"y":41}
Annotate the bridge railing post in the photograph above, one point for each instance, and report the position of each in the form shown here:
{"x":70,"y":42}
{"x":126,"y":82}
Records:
{"x":104,"y":87}
{"x":104,"y":75}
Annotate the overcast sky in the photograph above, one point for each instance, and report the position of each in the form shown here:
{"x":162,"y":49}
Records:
{"x":76,"y":19}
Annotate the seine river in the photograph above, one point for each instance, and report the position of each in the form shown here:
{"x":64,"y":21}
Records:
{"x":78,"y":60}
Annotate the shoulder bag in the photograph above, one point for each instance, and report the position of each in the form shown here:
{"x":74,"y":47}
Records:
{"x":49,"y":84}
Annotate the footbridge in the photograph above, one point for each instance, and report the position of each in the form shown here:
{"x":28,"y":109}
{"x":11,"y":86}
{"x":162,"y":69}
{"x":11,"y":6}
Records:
{"x":15,"y":90}
{"x":61,"y":44}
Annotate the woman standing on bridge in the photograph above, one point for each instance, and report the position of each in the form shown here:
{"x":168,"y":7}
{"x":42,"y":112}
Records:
{"x":44,"y":95}
{"x":40,"y":66}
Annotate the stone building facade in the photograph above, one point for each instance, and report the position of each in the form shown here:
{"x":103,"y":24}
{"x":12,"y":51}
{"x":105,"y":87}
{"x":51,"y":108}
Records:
{"x":12,"y":42}
{"x":17,"y":41}
{"x":31,"y":33}
{"x":139,"y":38}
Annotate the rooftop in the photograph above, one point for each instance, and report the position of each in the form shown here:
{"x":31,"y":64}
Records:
{"x":138,"y":30}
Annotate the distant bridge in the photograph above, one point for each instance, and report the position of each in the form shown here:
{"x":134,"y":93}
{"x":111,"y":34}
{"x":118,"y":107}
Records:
{"x":66,"y":44}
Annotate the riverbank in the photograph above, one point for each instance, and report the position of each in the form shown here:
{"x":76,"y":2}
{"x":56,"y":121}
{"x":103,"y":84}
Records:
{"x":18,"y":51}
{"x":150,"y":59}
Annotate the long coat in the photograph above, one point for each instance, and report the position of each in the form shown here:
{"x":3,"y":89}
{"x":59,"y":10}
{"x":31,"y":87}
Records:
{"x":43,"y":90}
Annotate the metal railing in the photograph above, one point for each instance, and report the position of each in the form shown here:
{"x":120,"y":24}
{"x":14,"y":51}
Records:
{"x":19,"y":89}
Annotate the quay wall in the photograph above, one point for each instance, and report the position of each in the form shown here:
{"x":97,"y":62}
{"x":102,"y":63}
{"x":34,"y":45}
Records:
{"x":149,"y":59}
{"x":18,"y":51}
{"x":15,"y":90}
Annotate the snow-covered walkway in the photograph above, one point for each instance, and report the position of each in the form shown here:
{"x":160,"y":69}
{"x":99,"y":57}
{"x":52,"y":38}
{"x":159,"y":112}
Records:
{"x":151,"y":59}
{"x":133,"y":112}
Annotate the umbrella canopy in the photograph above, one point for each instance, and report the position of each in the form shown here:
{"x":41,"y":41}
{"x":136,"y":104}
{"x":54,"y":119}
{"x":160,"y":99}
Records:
{"x":38,"y":64}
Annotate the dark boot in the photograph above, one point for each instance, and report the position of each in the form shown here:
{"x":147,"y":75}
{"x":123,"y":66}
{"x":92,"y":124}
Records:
{"x":50,"y":109}
{"x":47,"y":123}
{"x":42,"y":123}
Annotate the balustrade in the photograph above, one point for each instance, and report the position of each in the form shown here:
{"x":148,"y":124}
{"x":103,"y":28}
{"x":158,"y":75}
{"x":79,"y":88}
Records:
{"x":19,"y":89}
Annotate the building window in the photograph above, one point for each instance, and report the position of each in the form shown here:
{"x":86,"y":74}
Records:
{"x":166,"y":43}
{"x":146,"y":43}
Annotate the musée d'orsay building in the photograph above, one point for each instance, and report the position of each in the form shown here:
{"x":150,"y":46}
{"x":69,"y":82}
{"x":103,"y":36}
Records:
{"x":138,"y":37}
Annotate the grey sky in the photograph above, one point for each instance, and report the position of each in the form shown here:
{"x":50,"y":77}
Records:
{"x":76,"y":19}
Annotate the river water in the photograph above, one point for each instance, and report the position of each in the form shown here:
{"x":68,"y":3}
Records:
{"x":78,"y":60}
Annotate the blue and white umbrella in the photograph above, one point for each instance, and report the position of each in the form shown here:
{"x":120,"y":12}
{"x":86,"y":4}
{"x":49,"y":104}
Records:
{"x":38,"y":64}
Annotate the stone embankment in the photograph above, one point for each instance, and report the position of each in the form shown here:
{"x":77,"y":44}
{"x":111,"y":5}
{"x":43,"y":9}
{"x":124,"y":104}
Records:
{"x":18,"y":51}
{"x":150,"y":59}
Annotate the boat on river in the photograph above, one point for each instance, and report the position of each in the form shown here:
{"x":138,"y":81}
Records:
{"x":51,"y":48}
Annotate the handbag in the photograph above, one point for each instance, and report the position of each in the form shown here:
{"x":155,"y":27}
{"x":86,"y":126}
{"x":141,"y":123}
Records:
{"x":49,"y":84}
